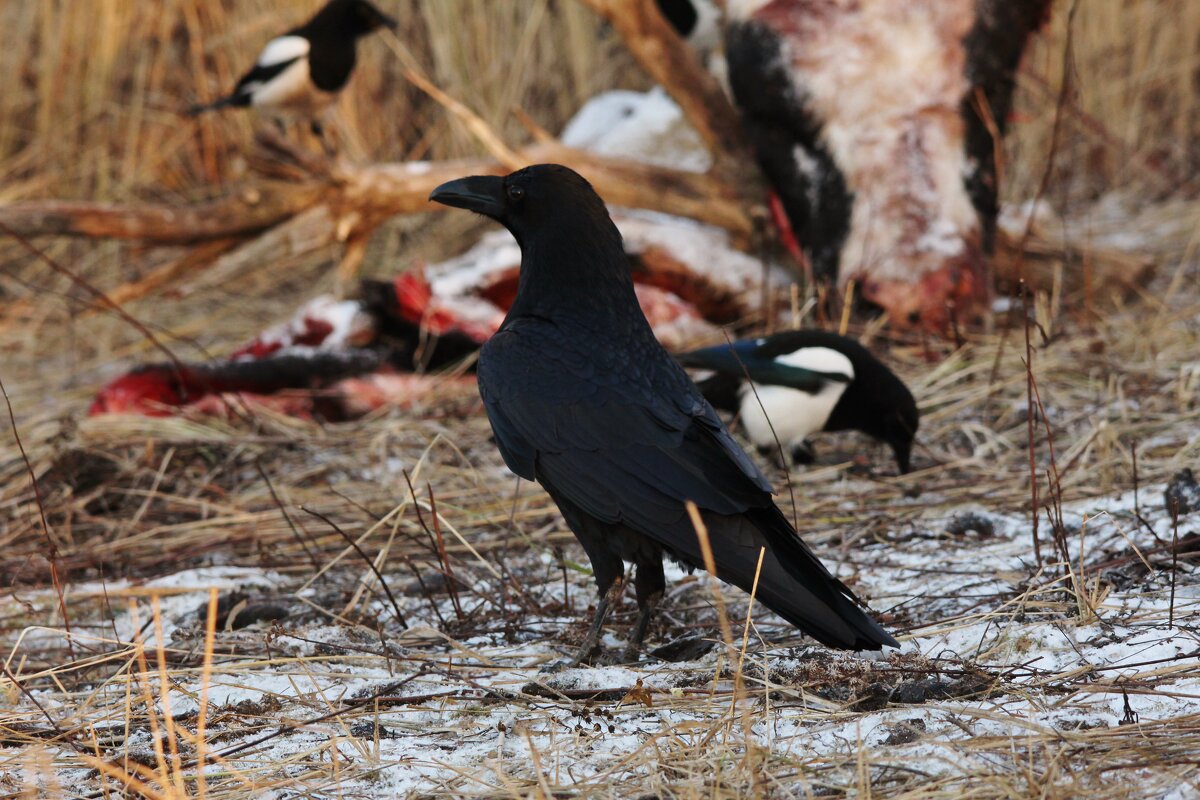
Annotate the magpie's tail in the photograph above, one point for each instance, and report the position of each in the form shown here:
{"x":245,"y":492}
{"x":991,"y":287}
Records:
{"x":202,"y":108}
{"x":793,"y":582}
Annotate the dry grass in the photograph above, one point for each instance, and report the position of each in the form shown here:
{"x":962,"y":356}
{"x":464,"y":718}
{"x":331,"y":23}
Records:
{"x":1130,"y":112}
{"x":138,"y":509}
{"x":102,"y":85}
{"x":454,"y":706}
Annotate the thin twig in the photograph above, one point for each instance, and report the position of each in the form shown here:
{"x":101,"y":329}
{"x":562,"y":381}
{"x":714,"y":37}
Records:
{"x":50,"y":543}
{"x":367,"y":559}
{"x":312,"y":557}
{"x":98,"y":295}
{"x":441,"y":544}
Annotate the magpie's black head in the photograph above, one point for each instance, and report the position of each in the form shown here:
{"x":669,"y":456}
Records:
{"x":897,"y":427}
{"x":361,"y":17}
{"x":531,"y":201}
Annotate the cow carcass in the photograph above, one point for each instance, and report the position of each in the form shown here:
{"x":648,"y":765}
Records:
{"x":874,"y":120}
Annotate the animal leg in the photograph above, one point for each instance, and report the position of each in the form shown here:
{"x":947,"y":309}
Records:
{"x":608,"y":599}
{"x":609,"y":572}
{"x":802,"y":453}
{"x":649,"y":584}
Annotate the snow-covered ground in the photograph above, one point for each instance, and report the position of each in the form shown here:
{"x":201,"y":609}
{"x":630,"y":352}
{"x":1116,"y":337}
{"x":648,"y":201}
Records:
{"x":1005,"y":670}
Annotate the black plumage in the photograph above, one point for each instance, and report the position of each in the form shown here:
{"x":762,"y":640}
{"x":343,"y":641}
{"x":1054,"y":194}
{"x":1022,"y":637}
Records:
{"x":304,"y":69}
{"x":860,"y":392}
{"x":583,"y":399}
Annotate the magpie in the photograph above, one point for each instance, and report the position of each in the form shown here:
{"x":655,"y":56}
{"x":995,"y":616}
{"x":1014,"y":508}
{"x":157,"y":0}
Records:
{"x":584,"y":400}
{"x":303,"y":70}
{"x":795,"y":383}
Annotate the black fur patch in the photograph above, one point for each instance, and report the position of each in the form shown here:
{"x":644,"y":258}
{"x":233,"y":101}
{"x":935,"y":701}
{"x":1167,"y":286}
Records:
{"x":779,"y":122}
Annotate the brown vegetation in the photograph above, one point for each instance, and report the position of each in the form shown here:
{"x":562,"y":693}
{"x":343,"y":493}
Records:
{"x":487,"y":579}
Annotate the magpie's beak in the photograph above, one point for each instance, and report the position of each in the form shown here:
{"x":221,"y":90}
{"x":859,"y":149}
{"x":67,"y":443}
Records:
{"x":483,"y":194}
{"x":903,"y":451}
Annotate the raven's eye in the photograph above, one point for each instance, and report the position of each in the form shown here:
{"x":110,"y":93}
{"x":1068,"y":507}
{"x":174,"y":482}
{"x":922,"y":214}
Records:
{"x":516,"y":193}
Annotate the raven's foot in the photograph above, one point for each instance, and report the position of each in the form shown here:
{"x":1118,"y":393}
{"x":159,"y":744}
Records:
{"x":592,"y":639}
{"x":633,"y":650}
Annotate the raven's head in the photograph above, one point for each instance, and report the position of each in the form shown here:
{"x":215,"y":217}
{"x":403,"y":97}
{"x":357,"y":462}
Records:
{"x":530,"y":201}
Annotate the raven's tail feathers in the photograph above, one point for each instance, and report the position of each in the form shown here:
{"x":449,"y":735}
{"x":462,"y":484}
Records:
{"x":795,"y":557}
{"x":794,"y":584}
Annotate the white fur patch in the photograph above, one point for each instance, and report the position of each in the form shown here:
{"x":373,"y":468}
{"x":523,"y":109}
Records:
{"x":886,"y":79}
{"x":645,"y":126}
{"x":283,"y":48}
{"x":707,"y":32}
{"x":742,"y":9}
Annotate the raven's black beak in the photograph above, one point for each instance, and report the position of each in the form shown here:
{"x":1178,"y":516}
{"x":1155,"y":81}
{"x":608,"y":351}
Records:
{"x":483,"y":194}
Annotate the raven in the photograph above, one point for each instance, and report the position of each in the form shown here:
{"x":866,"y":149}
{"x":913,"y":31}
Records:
{"x":583,"y":399}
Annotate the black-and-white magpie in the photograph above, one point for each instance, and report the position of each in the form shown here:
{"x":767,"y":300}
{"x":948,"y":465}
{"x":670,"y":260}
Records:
{"x":804,"y":382}
{"x":303,"y":70}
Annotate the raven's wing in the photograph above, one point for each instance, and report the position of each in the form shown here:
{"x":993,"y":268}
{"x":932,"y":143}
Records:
{"x":625,"y":437}
{"x":620,"y":434}
{"x":722,"y":390}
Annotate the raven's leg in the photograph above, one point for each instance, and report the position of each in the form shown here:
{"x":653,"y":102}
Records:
{"x":608,"y":598}
{"x":609,"y":571}
{"x":649,"y":584}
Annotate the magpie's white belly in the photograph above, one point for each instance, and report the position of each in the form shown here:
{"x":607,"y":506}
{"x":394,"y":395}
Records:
{"x":793,"y":414}
{"x":292,"y":90}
